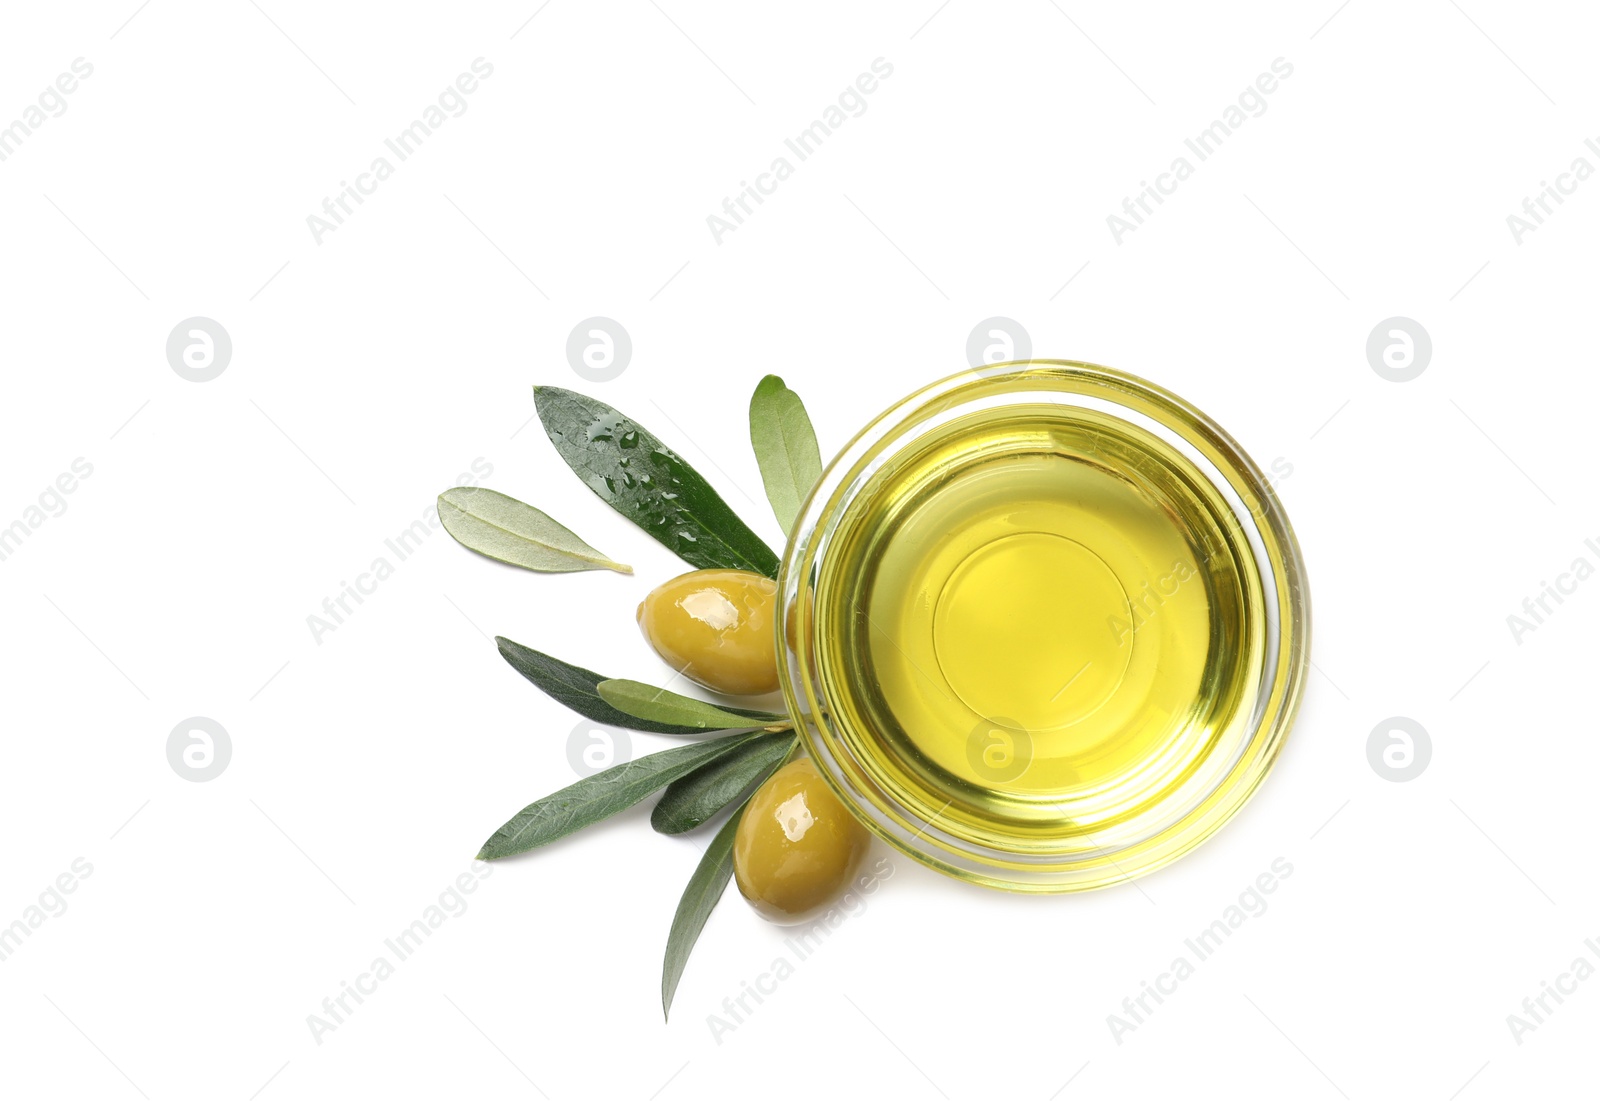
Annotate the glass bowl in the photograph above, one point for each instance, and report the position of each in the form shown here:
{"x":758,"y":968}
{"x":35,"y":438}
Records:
{"x":1025,"y":526}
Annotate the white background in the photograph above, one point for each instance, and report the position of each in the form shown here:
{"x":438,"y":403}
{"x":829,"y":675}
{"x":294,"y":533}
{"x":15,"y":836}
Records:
{"x":372,"y":369}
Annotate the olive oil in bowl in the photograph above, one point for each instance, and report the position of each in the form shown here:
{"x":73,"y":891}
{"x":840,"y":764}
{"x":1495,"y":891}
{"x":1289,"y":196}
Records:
{"x":1044,"y":628}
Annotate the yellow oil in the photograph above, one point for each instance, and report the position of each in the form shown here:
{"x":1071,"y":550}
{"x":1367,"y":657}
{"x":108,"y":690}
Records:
{"x":1034,"y":624}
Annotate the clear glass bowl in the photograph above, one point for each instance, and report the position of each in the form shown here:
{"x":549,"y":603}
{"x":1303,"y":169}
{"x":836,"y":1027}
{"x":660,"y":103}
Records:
{"x":1018,"y":526}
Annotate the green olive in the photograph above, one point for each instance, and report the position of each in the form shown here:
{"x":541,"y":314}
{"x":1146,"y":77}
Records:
{"x":716,"y":628}
{"x":796,"y":847}
{"x":791,"y":625}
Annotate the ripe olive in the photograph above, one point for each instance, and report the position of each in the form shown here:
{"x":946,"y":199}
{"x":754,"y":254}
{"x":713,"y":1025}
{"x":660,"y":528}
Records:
{"x":716,"y":628}
{"x":796,"y":847}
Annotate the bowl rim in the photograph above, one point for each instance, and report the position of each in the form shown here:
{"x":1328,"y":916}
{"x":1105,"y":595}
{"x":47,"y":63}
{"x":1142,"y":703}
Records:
{"x":1254,"y":504}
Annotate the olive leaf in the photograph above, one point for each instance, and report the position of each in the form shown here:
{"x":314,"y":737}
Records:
{"x":600,"y":796}
{"x":785,"y":446}
{"x":575,"y":687}
{"x":505,"y":529}
{"x":693,"y":800}
{"x":635,"y":473}
{"x":700,"y":897}
{"x":646,"y":701}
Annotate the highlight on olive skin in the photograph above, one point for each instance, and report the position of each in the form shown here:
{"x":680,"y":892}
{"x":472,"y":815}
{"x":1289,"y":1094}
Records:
{"x":797,"y":847}
{"x":716,"y":628}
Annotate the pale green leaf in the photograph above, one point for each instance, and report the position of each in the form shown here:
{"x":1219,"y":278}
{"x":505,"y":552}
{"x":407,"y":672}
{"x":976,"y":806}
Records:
{"x":505,"y":529}
{"x":646,"y":701}
{"x":786,"y":448}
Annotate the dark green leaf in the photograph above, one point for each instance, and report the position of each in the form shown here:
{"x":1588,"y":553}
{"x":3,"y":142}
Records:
{"x":700,"y":897}
{"x":646,"y":701}
{"x":697,"y":797}
{"x":600,"y":796}
{"x":635,"y":473}
{"x":505,"y":529}
{"x":575,"y":687}
{"x":786,"y":448}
